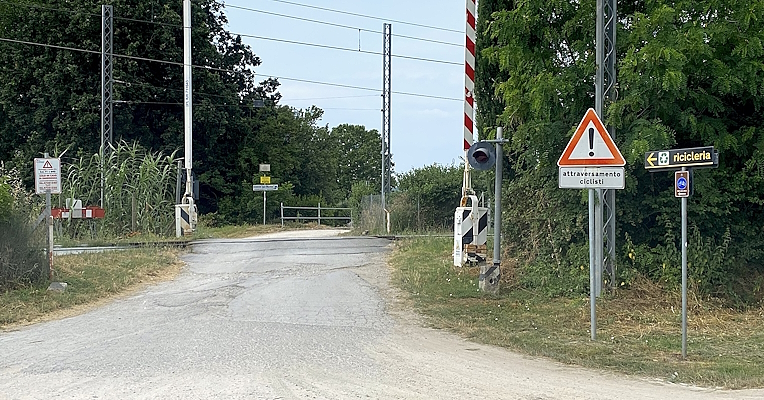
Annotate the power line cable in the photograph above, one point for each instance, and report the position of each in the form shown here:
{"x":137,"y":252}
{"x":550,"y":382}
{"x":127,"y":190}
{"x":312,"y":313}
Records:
{"x":256,"y":37}
{"x":128,"y":84}
{"x":333,"y":97}
{"x":229,"y":71}
{"x":236,"y":7}
{"x":368,"y":16}
{"x":323,"y":46}
{"x":89,"y":13}
{"x":355,"y":28}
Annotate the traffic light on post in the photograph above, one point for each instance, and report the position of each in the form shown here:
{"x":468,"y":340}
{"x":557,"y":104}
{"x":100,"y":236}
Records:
{"x":481,"y":156}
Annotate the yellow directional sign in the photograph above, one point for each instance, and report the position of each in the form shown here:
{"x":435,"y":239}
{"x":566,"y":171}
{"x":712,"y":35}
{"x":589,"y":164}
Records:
{"x":695,"y":157}
{"x":265,"y":180}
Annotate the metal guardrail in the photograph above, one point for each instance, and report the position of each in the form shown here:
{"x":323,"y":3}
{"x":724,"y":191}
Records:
{"x":317,"y":217}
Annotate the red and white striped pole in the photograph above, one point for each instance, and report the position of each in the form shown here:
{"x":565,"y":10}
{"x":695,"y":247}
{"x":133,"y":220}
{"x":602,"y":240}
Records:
{"x":469,"y":90}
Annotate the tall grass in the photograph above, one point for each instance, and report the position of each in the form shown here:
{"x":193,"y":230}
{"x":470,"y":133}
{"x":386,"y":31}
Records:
{"x":137,"y":183}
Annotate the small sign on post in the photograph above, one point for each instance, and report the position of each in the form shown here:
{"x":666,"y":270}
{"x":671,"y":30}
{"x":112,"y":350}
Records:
{"x":265,"y":180}
{"x":684,"y":160}
{"x":682,"y":184}
{"x":47,"y":175}
{"x":264,"y":188}
{"x":694,"y":157}
{"x":591,"y":160}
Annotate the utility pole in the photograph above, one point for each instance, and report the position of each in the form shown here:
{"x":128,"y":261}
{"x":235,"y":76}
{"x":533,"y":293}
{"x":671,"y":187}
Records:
{"x":387,"y":43}
{"x":606,"y":93}
{"x":610,"y":95}
{"x":107,"y":48}
{"x":185,"y":213}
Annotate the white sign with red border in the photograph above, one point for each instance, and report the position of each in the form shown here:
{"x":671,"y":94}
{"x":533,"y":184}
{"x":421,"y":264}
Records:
{"x":591,"y":160}
{"x":591,"y":146}
{"x":47,"y":175}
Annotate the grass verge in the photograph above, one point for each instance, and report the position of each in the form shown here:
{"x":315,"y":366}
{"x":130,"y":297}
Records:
{"x":92,"y":279}
{"x":639,"y":329}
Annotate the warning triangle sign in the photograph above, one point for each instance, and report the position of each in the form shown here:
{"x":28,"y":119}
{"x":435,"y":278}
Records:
{"x":47,"y":165}
{"x":591,"y":145}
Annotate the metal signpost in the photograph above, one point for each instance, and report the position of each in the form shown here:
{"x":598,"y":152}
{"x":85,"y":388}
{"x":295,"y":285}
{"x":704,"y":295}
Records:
{"x":684,"y":159}
{"x":482,"y":156}
{"x":592,"y":161}
{"x":264,"y":188}
{"x":47,"y":180}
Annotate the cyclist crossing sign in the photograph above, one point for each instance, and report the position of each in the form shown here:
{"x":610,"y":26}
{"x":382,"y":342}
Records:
{"x":591,"y":146}
{"x":591,"y":160}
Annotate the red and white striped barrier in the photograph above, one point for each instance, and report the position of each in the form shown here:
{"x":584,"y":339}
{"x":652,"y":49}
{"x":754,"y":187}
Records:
{"x":469,"y":76}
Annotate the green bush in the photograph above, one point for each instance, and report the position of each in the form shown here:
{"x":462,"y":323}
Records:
{"x":22,"y":248}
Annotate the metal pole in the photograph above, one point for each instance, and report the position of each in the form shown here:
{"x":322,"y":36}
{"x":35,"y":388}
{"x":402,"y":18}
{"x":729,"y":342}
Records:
{"x":188,"y":110}
{"x":319,"y":213}
{"x":469,"y":91}
{"x":609,"y":95}
{"x":107,"y":45}
{"x":684,"y":275}
{"x":387,"y":43}
{"x":592,"y":296}
{"x":282,"y":214}
{"x":49,"y":219}
{"x":597,"y":243}
{"x":263,"y":207}
{"x":497,"y":206}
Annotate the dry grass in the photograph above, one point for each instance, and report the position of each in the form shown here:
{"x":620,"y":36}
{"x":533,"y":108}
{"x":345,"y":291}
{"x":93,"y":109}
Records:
{"x":93,"y":279}
{"x":639,"y":329}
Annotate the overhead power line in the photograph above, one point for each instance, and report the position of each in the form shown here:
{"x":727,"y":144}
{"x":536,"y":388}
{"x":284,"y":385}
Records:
{"x":334,"y":97}
{"x":354,"y":28}
{"x":323,"y":46}
{"x":28,"y":5}
{"x":225,"y":70}
{"x":179,"y":26}
{"x":368,"y":16}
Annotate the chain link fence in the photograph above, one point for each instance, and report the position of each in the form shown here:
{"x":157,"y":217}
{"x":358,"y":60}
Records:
{"x":407,"y":213}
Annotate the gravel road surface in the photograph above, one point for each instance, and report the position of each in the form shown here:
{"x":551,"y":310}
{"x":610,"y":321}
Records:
{"x":303,"y":315}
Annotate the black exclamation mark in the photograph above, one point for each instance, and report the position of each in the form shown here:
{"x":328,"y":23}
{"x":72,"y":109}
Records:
{"x":591,"y":142}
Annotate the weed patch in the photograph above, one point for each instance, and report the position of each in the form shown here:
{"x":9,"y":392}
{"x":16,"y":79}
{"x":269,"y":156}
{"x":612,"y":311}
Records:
{"x":91,"y":278}
{"x":639,"y":328}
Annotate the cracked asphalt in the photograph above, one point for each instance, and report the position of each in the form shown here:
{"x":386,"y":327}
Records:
{"x":303,"y":315}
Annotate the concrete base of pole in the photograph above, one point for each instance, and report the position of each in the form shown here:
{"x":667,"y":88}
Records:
{"x":489,"y":278}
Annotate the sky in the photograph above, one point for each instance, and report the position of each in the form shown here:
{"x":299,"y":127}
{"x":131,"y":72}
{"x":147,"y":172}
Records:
{"x":423,"y":130}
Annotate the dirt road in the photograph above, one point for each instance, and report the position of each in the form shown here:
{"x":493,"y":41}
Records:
{"x":287,"y":316}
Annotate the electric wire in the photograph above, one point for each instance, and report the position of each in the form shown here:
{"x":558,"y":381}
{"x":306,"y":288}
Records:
{"x":333,"y":97}
{"x":269,"y":38}
{"x":323,"y":46}
{"x":367,"y":16}
{"x":235,"y":7}
{"x":229,"y":71}
{"x":355,"y":28}
{"x":28,"y":5}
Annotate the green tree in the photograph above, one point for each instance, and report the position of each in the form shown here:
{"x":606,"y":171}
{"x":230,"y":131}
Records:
{"x":487,"y":69}
{"x":357,"y":157}
{"x":52,"y":97}
{"x":689,"y":74}
{"x":435,"y":189}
